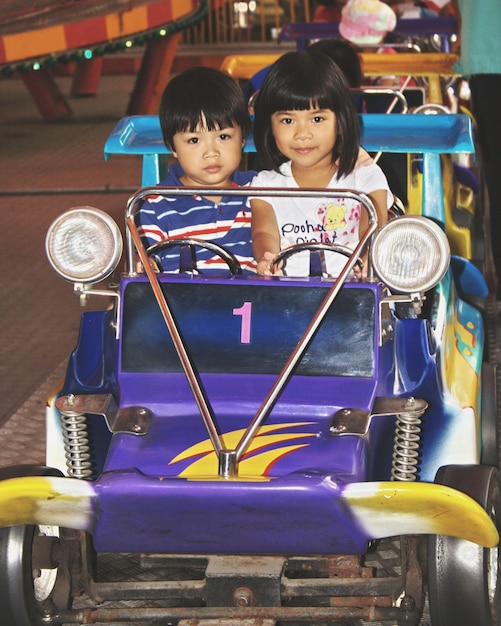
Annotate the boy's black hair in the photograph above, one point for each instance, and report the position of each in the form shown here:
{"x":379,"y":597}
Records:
{"x":296,"y":81}
{"x":202,"y":95}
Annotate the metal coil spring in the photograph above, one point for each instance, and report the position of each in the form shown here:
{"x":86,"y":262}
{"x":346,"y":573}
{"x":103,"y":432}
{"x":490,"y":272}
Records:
{"x":406,"y":446}
{"x":76,"y":444}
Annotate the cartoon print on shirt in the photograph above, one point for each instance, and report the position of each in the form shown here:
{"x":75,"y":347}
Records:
{"x":354,"y":218}
{"x":335,"y":217}
{"x":335,"y":223}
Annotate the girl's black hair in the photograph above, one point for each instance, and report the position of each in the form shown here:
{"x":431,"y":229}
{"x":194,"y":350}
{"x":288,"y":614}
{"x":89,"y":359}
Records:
{"x":296,"y":81}
{"x":202,"y":95}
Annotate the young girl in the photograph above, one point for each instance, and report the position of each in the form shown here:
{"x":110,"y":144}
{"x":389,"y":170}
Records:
{"x":306,"y":131}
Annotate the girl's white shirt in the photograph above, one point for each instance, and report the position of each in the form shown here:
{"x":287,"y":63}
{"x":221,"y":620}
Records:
{"x":328,"y":220}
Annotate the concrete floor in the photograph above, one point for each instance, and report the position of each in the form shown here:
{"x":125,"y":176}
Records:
{"x":47,"y":168}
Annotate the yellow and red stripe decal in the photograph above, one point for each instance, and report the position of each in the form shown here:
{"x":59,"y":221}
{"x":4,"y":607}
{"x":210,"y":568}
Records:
{"x":264,"y":451}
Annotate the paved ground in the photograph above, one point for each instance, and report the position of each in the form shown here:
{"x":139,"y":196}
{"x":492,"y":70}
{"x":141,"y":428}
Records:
{"x":47,"y":168}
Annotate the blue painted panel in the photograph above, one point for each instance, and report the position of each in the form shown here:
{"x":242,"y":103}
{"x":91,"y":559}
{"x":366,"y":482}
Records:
{"x":438,"y":134}
{"x":248,"y":329}
{"x":141,"y":514}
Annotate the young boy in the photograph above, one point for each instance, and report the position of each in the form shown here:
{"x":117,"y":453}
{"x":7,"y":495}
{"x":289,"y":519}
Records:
{"x":204,"y":120}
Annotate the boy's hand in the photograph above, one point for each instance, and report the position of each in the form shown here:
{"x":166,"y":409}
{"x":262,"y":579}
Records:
{"x":153,"y":264}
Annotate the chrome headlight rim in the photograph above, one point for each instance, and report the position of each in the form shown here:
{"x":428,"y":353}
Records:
{"x":99,"y":268}
{"x":438,"y":240}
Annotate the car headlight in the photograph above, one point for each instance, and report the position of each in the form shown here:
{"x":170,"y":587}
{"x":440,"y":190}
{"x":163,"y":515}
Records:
{"x":410,"y":254}
{"x":84,"y":245}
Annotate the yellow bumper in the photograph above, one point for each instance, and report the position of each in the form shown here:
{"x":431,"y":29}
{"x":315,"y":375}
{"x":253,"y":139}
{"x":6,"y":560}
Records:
{"x":381,"y":509}
{"x":385,"y":509}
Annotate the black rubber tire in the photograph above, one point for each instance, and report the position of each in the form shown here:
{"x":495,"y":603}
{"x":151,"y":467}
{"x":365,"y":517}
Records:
{"x":19,"y":606}
{"x":464,"y":581}
{"x":489,"y":416}
{"x":16,"y":587}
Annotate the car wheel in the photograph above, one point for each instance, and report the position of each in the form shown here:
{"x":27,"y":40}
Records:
{"x":464,"y":578}
{"x":28,"y":577}
{"x":490,"y":416}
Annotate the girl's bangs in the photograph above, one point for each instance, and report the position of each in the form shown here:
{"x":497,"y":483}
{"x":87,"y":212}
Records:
{"x":302,"y":96}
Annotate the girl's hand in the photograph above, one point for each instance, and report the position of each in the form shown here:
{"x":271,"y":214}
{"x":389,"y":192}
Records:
{"x":264,"y":266}
{"x":361,"y":272}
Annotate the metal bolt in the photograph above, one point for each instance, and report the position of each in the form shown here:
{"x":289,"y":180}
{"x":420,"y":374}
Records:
{"x":242,"y":596}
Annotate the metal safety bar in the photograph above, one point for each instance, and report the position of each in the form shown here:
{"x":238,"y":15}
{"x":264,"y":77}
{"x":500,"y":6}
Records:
{"x":228,"y":459}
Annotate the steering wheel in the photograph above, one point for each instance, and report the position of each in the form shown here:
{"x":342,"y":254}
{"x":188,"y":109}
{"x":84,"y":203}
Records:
{"x":187,"y":255}
{"x":315,"y":267}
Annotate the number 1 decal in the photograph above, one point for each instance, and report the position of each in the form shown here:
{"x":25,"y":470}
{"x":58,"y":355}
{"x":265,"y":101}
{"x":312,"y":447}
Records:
{"x":245,"y":312}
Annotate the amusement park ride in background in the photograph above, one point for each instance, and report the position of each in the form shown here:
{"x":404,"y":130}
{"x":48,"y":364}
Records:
{"x":35,"y":35}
